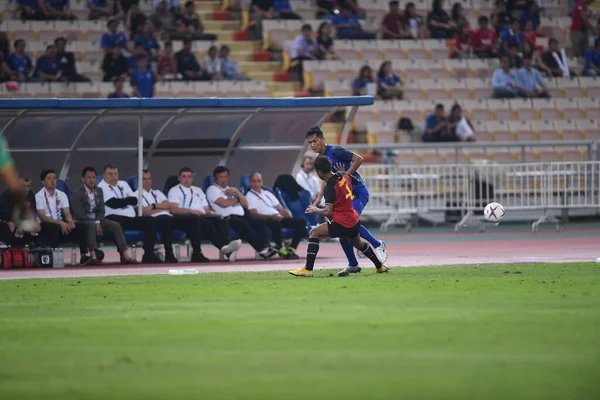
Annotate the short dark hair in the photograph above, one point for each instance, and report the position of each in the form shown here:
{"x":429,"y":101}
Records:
{"x":483,"y":19}
{"x":211,"y":48}
{"x":596,"y":42}
{"x":306,"y":27}
{"x":50,"y":46}
{"x":18,"y":41}
{"x":514,"y":20}
{"x":168,"y":43}
{"x":109,"y":166}
{"x":219,"y":170}
{"x":323,"y":164}
{"x":553,"y":40}
{"x":314,"y":130}
{"x":88,"y":169}
{"x":45,"y":173}
{"x":527,"y":57}
{"x":146,"y":171}
{"x":142,"y":57}
{"x":394,"y":2}
{"x":25,"y":178}
{"x":188,"y":3}
{"x":225,"y":47}
{"x":187,"y":41}
{"x":438,"y":106}
{"x":60,"y":39}
{"x":185,"y":169}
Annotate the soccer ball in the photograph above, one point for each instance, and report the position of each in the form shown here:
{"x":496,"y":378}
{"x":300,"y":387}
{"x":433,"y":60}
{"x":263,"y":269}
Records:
{"x":494,"y":212}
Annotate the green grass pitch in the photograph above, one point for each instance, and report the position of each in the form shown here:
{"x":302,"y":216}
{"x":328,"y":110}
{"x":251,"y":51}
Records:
{"x":485,"y":332}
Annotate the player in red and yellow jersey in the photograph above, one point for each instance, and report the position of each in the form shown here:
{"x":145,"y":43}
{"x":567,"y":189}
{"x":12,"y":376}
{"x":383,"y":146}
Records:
{"x":345,"y":221}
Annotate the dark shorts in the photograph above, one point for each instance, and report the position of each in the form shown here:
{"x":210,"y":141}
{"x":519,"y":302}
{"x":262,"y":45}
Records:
{"x":339,"y":231}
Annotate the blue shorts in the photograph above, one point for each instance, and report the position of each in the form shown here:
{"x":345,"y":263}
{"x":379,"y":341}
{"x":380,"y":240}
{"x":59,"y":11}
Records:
{"x":361,"y":198}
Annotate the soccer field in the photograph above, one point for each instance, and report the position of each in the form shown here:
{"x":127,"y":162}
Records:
{"x":477,"y":332}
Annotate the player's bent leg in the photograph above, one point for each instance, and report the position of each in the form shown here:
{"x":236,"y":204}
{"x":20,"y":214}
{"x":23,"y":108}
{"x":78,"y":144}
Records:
{"x":359,"y":203}
{"x":319,"y":231}
{"x":359,"y":244}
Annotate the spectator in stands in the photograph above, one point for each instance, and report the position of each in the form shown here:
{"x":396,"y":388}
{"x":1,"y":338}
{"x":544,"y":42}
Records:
{"x":325,"y":8}
{"x":304,"y":45}
{"x":437,"y":128}
{"x":324,"y":49}
{"x":230,"y":202}
{"x":439,"y":23}
{"x":164,"y":20}
{"x":134,"y":21}
{"x":529,"y":80}
{"x":514,"y":57}
{"x":284,"y":10}
{"x":122,"y":7}
{"x":538,"y":63}
{"x":212,"y":63}
{"x":511,"y":37}
{"x":118,"y":82}
{"x":58,"y":9}
{"x":581,"y":27}
{"x":500,"y":18}
{"x":47,"y":67}
{"x":389,"y":85}
{"x":10,"y":233}
{"x":146,"y":37}
{"x":360,"y":84}
{"x":504,"y":80}
{"x":143,"y":79}
{"x":393,"y":24}
{"x":172,"y":5}
{"x":462,"y":47}
{"x":348,"y":26}
{"x":260,"y":10}
{"x":484,"y":39}
{"x":591,"y":66}
{"x":229,"y":68}
{"x":138,"y":51}
{"x":99,"y":9}
{"x":4,"y":45}
{"x":66,"y":61}
{"x":530,"y":36}
{"x":414,"y":22}
{"x":263,"y":205}
{"x":167,"y":63}
{"x":114,"y":64}
{"x":56,"y":221}
{"x":28,"y":10}
{"x":457,"y":15}
{"x":88,"y":208}
{"x":307,"y":178}
{"x":460,"y":126}
{"x":553,"y":60}
{"x":5,"y":72}
{"x":192,"y":23}
{"x":530,"y":14}
{"x":19,"y":62}
{"x":187,"y":64}
{"x":112,"y":37}
{"x":119,"y":207}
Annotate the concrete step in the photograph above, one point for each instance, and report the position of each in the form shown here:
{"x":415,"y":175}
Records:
{"x":207,"y":5}
{"x":253,"y":66}
{"x":221,"y":34}
{"x":240,"y":56}
{"x":266,"y":76}
{"x":211,"y":26}
{"x":282,"y":86}
{"x":282,"y":94}
{"x":236,"y":45}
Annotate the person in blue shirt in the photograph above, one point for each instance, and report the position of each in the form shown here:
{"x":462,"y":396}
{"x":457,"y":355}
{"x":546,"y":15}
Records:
{"x":437,"y":128}
{"x":389,"y":84}
{"x":284,"y":9}
{"x":118,"y":93}
{"x":47,"y":67}
{"x":347,"y":25}
{"x":138,"y":51}
{"x":19,"y":62}
{"x":345,"y":161}
{"x":29,"y":10}
{"x":531,"y":13}
{"x":147,"y":39}
{"x":58,"y":9}
{"x":365,"y":76}
{"x":143,"y":79}
{"x":112,"y":37}
{"x":504,"y":81}
{"x":99,"y":9}
{"x":592,"y":60}
{"x":530,"y":81}
{"x":229,"y":67}
{"x":511,"y":36}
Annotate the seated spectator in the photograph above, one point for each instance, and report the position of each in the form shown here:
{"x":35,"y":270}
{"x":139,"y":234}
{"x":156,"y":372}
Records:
{"x":457,"y":15}
{"x":187,"y":64}
{"x":530,"y":36}
{"x":414,"y":22}
{"x":284,"y":10}
{"x":324,"y":49}
{"x":260,"y":10}
{"x":516,"y":61}
{"x":393,"y":24}
{"x":229,"y":68}
{"x":146,"y":37}
{"x":58,"y":9}
{"x":538,"y":63}
{"x":436,"y":127}
{"x":11,"y":234}
{"x":138,"y":51}
{"x":348,"y":25}
{"x":172,"y":5}
{"x":135,"y":21}
{"x":28,"y":10}
{"x":164,"y":20}
{"x":462,"y":44}
{"x":511,"y":37}
{"x":66,"y":61}
{"x":212,"y":64}
{"x":167,"y":63}
{"x":531,"y":14}
{"x":592,"y":60}
{"x":112,"y":37}
{"x":484,"y":40}
{"x":308,"y":179}
{"x":553,"y":59}
{"x":99,"y":9}
{"x":325,"y":8}
{"x":5,"y":72}
{"x":118,"y":82}
{"x":263,"y":205}
{"x":460,"y":126}
{"x":439,"y":23}
{"x":529,"y":80}
{"x":143,"y":79}
{"x":47,"y":67}
{"x":389,"y":85}
{"x":304,"y":45}
{"x":361,"y":84}
{"x":500,"y":18}
{"x":19,"y":62}
{"x":4,"y":45}
{"x":114,"y":64}
{"x":122,"y":7}
{"x":504,"y":80}
{"x":56,"y":221}
{"x":192,"y":23}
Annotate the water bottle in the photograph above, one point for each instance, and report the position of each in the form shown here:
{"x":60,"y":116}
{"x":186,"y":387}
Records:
{"x":61,"y":255}
{"x":177,"y":253}
{"x":187,"y":271}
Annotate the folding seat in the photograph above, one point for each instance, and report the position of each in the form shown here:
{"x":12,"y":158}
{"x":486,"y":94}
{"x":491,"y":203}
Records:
{"x":553,"y":88}
{"x":435,"y":69}
{"x":542,"y":153}
{"x":381,"y":132}
{"x":546,"y":109}
{"x":480,"y":88}
{"x":590,"y":107}
{"x":231,"y":89}
{"x":434,"y":89}
{"x":69,"y":30}
{"x":91,"y":70}
{"x":479,"y":68}
{"x":590,"y":85}
{"x":346,"y":50}
{"x":415,"y":50}
{"x":409,"y":69}
{"x":87,"y":90}
{"x":295,"y":26}
{"x":501,"y":109}
{"x":407,"y":157}
{"x":457,"y":89}
{"x":556,"y":8}
{"x":456,"y":68}
{"x":413,"y":110}
{"x":522,"y":109}
{"x":522,"y":131}
{"x":94,"y":30}
{"x":473,"y":154}
{"x":545,"y":130}
{"x":89,"y":51}
{"x":437,"y":49}
{"x":413,"y":89}
{"x":363,"y":115}
{"x":499,"y":131}
{"x":44,"y":31}
{"x":80,"y":9}
{"x":385,"y":111}
{"x":390,"y":49}
{"x":567,"y":130}
{"x":316,"y":73}
{"x":63,"y":90}
{"x":486,"y":7}
{"x":255,"y":88}
{"x":478,"y":110}
{"x":503,"y":154}
{"x":19,"y":30}
{"x":366,"y":50}
{"x":276,"y":33}
{"x":338,"y":88}
{"x":202,"y":89}
{"x":575,"y":153}
{"x":163,"y":89}
{"x":480,"y":128}
{"x":588,"y":128}
{"x":105,"y":88}
{"x":569,"y":108}
{"x":570,"y":87}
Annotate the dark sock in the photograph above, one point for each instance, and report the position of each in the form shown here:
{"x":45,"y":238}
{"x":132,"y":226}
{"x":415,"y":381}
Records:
{"x":370,"y":254}
{"x":311,"y":253}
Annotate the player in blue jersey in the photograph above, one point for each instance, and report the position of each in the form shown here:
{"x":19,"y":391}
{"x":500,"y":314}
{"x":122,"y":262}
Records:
{"x":344,"y":160}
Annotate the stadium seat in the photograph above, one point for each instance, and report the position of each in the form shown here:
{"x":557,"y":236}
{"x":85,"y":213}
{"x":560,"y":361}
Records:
{"x":522,"y":109}
{"x":590,"y":106}
{"x":546,"y":109}
{"x":588,"y":128}
{"x":545,"y":130}
{"x":569,"y":108}
{"x":500,"y":109}
{"x":522,"y":131}
{"x":132,"y":181}
{"x":567,"y":130}
{"x":208,"y":180}
{"x":591,"y":86}
{"x":245,"y":184}
{"x":499,"y":131}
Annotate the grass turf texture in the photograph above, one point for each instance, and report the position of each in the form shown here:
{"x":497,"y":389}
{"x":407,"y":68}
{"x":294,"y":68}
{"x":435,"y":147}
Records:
{"x":488,"y":332}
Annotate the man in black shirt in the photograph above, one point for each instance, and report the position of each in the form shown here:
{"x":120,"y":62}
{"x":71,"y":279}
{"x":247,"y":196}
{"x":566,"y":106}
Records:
{"x":259,"y":10}
{"x":9,"y":233}
{"x":114,"y":64}
{"x":67,"y":62}
{"x":187,"y":64}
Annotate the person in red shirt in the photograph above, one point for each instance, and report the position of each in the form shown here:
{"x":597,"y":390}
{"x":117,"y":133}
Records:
{"x":484,"y":40}
{"x":393,"y":23}
{"x":530,"y":36}
{"x":580,"y":27}
{"x":344,"y":220}
{"x":461,"y":43}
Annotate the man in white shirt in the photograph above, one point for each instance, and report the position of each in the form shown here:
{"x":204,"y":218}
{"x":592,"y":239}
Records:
{"x":308,"y":180}
{"x":265,"y":206}
{"x":55,"y":219}
{"x":230,"y":203}
{"x":188,"y":203}
{"x":120,"y":207}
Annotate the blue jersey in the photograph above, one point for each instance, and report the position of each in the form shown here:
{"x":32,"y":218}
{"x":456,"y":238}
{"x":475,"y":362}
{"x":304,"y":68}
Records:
{"x":338,"y":154}
{"x":19,"y":65}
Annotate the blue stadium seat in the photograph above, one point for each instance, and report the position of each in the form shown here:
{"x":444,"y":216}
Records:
{"x":132,"y":181}
{"x":170,"y":182}
{"x":208,"y":180}
{"x":305,"y":199}
{"x":99,"y":179}
{"x":245,"y":184}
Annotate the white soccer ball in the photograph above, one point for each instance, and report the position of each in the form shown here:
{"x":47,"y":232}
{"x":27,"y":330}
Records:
{"x":494,"y":212}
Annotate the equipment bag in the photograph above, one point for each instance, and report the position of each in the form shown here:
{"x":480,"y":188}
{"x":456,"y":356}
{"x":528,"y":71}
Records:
{"x":15,"y":258}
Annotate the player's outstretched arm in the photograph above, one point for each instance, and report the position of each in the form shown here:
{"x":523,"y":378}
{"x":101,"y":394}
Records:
{"x":326,"y":212}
